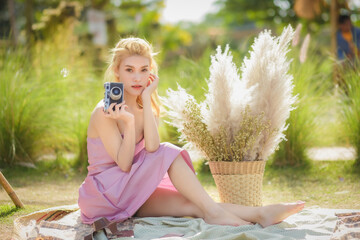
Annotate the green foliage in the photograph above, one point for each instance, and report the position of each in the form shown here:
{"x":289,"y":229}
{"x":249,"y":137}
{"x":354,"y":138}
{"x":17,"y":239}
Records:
{"x":275,"y":14}
{"x":190,"y":75}
{"x":24,"y":114}
{"x":311,"y":83}
{"x":137,"y":17}
{"x":7,"y":210}
{"x":173,"y":37}
{"x":351,"y":107}
{"x":242,"y":12}
{"x":47,"y":94}
{"x":201,"y":167}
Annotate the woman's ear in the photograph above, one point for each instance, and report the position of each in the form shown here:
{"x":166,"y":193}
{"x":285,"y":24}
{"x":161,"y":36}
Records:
{"x":116,"y":73}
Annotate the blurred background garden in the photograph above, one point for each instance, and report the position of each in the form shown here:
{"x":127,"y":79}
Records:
{"x":53,"y":55}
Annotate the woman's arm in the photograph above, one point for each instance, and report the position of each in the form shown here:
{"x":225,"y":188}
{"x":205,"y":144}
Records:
{"x":151,"y":134}
{"x":121,"y":149}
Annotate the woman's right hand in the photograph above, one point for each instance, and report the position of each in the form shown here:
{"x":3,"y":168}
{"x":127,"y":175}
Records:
{"x":118,"y":112}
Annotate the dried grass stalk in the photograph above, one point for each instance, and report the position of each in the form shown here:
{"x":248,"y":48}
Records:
{"x":240,"y":119}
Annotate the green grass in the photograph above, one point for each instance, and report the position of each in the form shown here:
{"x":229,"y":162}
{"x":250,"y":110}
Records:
{"x":312,"y":85}
{"x":350,"y":101}
{"x":328,"y":184}
{"x":8,"y":210}
{"x":51,"y":183}
{"x":46,"y":97}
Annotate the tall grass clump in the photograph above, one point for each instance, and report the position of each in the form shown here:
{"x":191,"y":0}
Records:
{"x":29,"y":103}
{"x":18,"y":114}
{"x":312,"y":86}
{"x":350,"y":100}
{"x":46,"y":92}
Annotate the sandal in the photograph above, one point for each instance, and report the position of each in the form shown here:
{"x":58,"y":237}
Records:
{"x":99,"y":230}
{"x":97,"y":235}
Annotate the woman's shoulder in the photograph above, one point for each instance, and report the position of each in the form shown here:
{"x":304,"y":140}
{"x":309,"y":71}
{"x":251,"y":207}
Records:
{"x":96,"y":120}
{"x":98,"y":110}
{"x":97,"y":116}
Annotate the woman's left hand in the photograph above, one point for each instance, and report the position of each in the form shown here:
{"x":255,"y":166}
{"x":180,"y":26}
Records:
{"x":153,"y":83}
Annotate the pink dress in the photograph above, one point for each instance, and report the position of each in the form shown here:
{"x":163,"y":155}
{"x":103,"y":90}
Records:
{"x":109,"y":192}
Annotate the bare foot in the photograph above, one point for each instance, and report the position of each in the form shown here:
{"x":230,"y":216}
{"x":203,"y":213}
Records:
{"x":273,"y":214}
{"x":222,"y":217}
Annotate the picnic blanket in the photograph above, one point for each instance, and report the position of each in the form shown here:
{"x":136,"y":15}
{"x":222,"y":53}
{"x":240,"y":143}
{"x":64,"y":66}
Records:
{"x":64,"y":222}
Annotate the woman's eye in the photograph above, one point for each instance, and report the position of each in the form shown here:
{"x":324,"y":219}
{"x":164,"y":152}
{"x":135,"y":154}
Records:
{"x":145,"y":70}
{"x":129,"y":70}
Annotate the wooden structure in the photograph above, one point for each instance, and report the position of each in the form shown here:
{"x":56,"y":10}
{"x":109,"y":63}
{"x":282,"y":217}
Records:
{"x":10,"y":191}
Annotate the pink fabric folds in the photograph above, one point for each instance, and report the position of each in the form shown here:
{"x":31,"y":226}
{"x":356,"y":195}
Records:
{"x":109,"y":192}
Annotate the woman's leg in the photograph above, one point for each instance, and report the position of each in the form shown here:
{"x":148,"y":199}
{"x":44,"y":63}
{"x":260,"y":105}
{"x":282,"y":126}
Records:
{"x":186,"y":182}
{"x":198,"y":200}
{"x":266,"y":215}
{"x":164,"y":202}
{"x":194,"y":201}
{"x":189,"y":186}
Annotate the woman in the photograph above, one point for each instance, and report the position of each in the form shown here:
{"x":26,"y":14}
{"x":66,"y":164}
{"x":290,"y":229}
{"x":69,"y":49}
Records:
{"x":132,"y":174}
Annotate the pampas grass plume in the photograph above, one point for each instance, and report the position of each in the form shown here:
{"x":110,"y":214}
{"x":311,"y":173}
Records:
{"x":267,"y":68}
{"x":297,"y":34}
{"x":241,"y":119}
{"x":304,"y":48}
{"x":223,"y":73}
{"x":175,"y":103}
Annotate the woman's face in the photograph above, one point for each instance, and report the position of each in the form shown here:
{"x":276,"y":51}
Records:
{"x":134,"y":73}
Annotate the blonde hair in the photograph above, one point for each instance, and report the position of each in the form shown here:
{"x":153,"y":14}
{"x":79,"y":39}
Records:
{"x":133,"y":46}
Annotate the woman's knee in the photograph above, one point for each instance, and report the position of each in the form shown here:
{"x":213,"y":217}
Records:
{"x":178,"y":161}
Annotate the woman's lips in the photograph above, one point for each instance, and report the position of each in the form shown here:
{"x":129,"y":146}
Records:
{"x":136,"y":86}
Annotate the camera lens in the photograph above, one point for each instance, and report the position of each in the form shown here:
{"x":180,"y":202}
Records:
{"x":115,"y":93}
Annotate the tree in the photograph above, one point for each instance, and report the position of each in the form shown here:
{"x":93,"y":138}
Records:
{"x":242,"y":12}
{"x":14,"y":31}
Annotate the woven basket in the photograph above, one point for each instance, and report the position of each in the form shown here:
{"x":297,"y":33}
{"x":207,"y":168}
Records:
{"x":239,"y":182}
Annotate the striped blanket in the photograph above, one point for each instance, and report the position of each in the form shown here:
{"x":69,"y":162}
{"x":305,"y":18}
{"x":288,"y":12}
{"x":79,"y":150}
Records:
{"x":347,"y":227}
{"x":64,"y":222}
{"x":59,"y":223}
